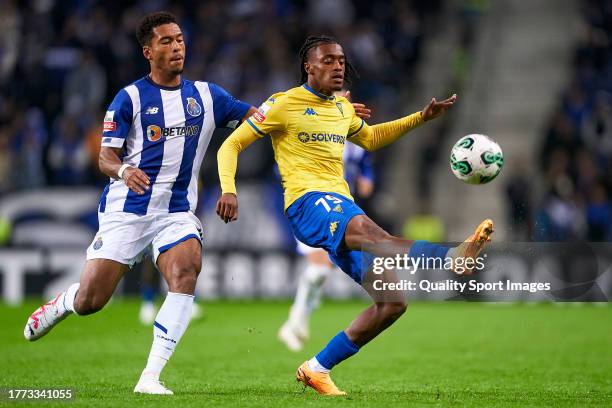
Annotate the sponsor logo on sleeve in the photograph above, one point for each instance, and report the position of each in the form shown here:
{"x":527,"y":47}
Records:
{"x":264,"y":109}
{"x":109,"y":124}
{"x":259,"y":117}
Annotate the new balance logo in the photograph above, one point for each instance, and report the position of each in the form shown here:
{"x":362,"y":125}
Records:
{"x":152,"y":110}
{"x":310,"y":111}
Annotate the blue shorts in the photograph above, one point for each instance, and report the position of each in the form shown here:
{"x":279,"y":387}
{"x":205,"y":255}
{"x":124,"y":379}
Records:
{"x":319,"y":220}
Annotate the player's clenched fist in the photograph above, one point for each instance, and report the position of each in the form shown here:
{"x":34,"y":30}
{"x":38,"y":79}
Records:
{"x":136,"y":180}
{"x":227,"y":207}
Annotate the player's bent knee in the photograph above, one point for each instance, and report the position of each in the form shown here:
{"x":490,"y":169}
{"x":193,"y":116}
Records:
{"x":393,"y":310}
{"x":363,"y":232}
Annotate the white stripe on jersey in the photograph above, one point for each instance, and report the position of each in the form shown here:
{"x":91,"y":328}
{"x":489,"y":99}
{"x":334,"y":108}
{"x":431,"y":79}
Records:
{"x":205,"y":135}
{"x":118,"y":190}
{"x":174,"y":116}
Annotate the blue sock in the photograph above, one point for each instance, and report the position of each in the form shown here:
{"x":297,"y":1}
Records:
{"x":427,"y":250}
{"x":148,"y":293}
{"x":338,"y":349}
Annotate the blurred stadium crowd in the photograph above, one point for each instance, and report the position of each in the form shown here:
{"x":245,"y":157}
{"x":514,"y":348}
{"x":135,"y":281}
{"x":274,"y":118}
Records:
{"x":61,"y":64}
{"x":576,"y":150}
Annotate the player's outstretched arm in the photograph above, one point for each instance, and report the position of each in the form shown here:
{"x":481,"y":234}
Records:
{"x":227,"y":163}
{"x":434,"y":108}
{"x":111,"y":165}
{"x":377,"y":136}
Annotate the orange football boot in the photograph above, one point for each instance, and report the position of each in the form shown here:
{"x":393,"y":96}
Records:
{"x":473,"y":245}
{"x":320,"y":382}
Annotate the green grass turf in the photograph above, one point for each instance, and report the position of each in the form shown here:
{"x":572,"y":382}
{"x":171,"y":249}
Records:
{"x":438,"y":354}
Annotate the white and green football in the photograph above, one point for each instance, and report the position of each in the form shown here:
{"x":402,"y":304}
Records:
{"x":476,"y":159}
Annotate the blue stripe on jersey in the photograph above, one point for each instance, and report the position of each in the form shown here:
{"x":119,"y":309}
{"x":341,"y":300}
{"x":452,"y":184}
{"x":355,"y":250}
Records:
{"x":226,"y":108}
{"x":122,"y":117}
{"x":102,"y":207}
{"x":357,"y":131}
{"x":255,"y":127}
{"x":178,"y":200}
{"x":152,"y":151}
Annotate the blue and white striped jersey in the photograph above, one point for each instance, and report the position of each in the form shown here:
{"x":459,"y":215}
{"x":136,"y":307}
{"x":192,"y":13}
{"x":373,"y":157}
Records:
{"x":165,"y":133}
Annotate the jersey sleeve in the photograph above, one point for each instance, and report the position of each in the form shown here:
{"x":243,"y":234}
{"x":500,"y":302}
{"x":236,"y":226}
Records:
{"x":271,"y":116}
{"x":356,"y":125}
{"x":117,"y":121}
{"x":228,"y":110}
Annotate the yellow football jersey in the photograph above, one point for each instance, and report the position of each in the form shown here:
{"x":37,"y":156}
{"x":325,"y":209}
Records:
{"x":308,"y":132}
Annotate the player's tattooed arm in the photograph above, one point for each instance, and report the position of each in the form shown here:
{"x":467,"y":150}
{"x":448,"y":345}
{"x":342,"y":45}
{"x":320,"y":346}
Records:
{"x":110,"y":164}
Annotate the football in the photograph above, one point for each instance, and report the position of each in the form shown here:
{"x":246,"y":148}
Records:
{"x":476,"y":159}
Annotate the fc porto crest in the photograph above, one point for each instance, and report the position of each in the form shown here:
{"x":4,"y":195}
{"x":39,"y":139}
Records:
{"x":193,"y":107}
{"x":98,"y":244}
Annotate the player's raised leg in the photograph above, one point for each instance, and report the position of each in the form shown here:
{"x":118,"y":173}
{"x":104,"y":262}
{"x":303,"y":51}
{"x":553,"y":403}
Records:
{"x":362,"y":232}
{"x":97,"y":284}
{"x":180,"y":266}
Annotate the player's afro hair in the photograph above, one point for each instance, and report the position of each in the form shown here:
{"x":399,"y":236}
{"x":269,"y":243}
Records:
{"x":350,"y":73}
{"x":144,"y":34}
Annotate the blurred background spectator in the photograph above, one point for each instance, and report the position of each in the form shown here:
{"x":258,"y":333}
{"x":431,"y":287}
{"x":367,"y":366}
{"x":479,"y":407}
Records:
{"x":576,"y":151}
{"x":62,"y":62}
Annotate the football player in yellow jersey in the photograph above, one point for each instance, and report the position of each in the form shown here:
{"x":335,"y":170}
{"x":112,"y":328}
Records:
{"x":309,"y":127}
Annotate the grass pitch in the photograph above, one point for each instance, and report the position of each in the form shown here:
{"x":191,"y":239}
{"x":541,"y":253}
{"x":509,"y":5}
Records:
{"x":438,"y":354}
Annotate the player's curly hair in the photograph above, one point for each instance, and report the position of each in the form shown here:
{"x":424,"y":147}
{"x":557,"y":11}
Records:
{"x":350,"y":73}
{"x":144,"y":33}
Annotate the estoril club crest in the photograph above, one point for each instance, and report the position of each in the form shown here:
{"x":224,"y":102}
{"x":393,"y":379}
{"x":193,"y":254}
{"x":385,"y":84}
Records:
{"x":193,"y":107}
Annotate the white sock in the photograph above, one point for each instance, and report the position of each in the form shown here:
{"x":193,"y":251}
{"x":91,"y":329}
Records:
{"x":315,"y":366}
{"x":67,"y":300}
{"x":170,"y":324}
{"x":309,"y":292}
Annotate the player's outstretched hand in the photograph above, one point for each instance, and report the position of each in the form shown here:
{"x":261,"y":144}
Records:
{"x":227,"y":207}
{"x":360,"y":109}
{"x":435,"y":108}
{"x":136,"y":180}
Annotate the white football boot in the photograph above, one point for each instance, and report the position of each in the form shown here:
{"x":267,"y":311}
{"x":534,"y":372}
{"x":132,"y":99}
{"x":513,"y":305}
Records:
{"x":44,"y":318}
{"x":148,"y":384}
{"x":289,"y":336}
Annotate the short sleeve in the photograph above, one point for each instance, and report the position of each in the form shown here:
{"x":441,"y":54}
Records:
{"x":228,"y":110}
{"x":271,"y":116}
{"x":117,"y":121}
